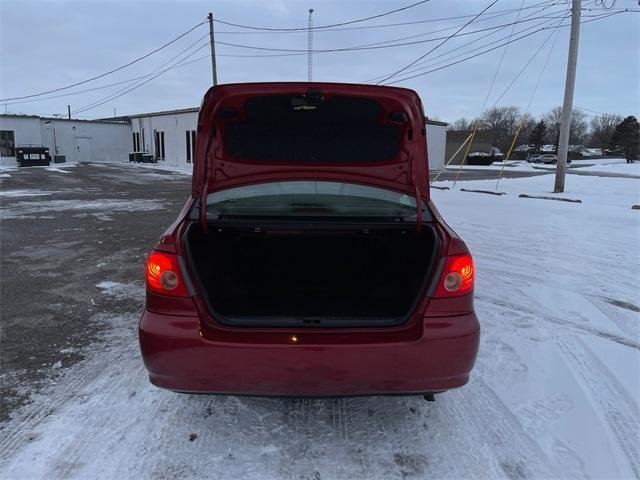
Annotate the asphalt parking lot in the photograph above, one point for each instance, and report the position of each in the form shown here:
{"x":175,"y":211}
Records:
{"x":68,"y":234}
{"x":62,"y":235}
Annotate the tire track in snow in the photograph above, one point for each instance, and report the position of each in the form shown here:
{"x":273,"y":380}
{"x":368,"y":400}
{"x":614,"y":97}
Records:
{"x":517,"y":454}
{"x":620,"y":412}
{"x":538,"y":313}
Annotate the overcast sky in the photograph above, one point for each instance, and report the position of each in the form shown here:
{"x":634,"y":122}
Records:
{"x":45,"y":45}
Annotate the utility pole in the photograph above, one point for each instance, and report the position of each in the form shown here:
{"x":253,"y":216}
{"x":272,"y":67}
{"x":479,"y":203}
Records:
{"x":567,"y":106}
{"x":69,"y":111}
{"x":310,"y":46}
{"x":214,"y":70}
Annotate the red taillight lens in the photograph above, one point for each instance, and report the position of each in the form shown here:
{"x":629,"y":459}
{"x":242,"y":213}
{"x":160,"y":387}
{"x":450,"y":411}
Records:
{"x":163,"y":275}
{"x":457,"y":277}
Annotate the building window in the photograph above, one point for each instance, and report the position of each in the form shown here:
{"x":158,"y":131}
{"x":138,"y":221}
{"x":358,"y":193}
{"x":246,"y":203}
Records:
{"x":191,"y":144}
{"x":159,"y":145}
{"x":136,"y":141}
{"x":7,"y":143}
{"x":144,"y":143}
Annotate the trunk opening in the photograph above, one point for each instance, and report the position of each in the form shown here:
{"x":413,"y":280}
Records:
{"x":289,"y":276}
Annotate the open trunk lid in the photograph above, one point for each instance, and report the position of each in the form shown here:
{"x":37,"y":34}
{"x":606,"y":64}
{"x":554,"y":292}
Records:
{"x":273,"y":132}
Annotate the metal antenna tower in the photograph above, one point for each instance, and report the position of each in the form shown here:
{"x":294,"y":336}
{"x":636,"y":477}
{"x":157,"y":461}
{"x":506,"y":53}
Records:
{"x":310,"y":46}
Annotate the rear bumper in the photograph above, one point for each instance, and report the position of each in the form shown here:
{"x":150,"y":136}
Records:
{"x":179,"y":358}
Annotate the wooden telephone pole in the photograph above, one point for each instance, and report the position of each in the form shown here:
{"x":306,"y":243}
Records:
{"x":567,"y":106}
{"x":214,"y":70}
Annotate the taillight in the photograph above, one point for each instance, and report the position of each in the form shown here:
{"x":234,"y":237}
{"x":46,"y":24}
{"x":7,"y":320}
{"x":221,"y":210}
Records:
{"x":163,"y":275}
{"x":457,"y":277}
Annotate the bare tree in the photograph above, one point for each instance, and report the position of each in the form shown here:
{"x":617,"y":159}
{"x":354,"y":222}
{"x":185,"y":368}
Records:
{"x":461,"y":124}
{"x":603,"y":128}
{"x":501,"y":123}
{"x":527,"y":128}
{"x":577,"y":131}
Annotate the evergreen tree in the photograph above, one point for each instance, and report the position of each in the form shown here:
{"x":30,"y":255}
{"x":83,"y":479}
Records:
{"x":538,"y":136}
{"x":627,"y":136}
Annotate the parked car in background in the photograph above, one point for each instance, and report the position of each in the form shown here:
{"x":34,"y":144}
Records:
{"x":547,"y":158}
{"x":310,"y":259}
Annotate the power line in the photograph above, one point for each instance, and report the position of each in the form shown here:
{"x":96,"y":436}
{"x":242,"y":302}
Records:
{"x":555,"y":32}
{"x":497,"y":13}
{"x":120,"y":93}
{"x":429,"y":63}
{"x":485,"y":19}
{"x":437,"y":46}
{"x":601,"y":17}
{"x":320,"y":27}
{"x":141,"y":77}
{"x":183,"y":51}
{"x":221,"y":55}
{"x":382,"y":44}
{"x":180,"y":64}
{"x":110,"y":71}
{"x":101,"y":87}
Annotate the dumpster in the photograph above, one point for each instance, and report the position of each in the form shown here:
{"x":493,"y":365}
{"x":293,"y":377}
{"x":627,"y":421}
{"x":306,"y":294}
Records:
{"x":32,"y":155}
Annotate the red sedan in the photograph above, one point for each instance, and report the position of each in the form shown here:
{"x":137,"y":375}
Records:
{"x":309,"y":259}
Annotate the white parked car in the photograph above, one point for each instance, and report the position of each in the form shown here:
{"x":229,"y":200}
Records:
{"x":547,"y":158}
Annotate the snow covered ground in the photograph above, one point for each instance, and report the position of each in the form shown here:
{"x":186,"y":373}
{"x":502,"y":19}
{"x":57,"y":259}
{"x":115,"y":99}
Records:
{"x":613,"y":165}
{"x":602,"y":165}
{"x":555,"y":393}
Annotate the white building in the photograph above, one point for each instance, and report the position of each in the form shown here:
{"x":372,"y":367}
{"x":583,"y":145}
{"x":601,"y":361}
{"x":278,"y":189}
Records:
{"x":168,"y":136}
{"x":76,"y":140}
{"x":436,"y":143}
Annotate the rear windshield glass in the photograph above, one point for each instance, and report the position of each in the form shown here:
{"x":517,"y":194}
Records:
{"x":307,"y":198}
{"x":287,"y":128}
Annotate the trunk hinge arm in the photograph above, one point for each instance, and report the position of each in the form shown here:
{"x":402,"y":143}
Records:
{"x":205,"y":182}
{"x":419,"y":203}
{"x":419,"y":208}
{"x":203,"y":210}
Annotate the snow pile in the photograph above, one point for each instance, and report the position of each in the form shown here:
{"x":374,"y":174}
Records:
{"x":57,"y":170}
{"x":614,"y":165}
{"x":600,"y":194}
{"x":186,"y":168}
{"x":554,"y":393}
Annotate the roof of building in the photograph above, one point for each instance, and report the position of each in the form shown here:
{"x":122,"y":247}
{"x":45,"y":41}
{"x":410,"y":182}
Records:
{"x":127,"y":118}
{"x":155,"y":114}
{"x":196,"y":109}
{"x":61,"y":119}
{"x":436,"y":122}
